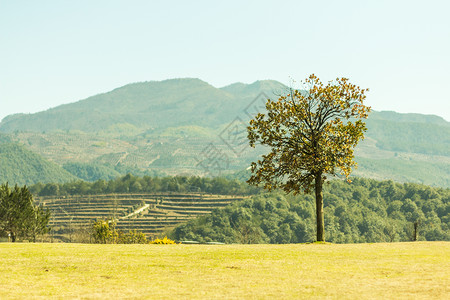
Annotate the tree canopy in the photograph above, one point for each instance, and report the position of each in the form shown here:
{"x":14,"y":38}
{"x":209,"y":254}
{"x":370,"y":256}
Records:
{"x":363,"y":211}
{"x":311,"y":134}
{"x":19,"y":216}
{"x":146,"y":184}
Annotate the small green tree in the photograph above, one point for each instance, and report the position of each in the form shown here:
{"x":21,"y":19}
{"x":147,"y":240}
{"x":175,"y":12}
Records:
{"x":39,"y":224}
{"x":311,"y":133}
{"x":19,"y":216}
{"x":104,"y":231}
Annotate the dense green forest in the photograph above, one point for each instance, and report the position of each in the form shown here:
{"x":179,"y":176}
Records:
{"x":96,"y":171}
{"x":365,"y":210}
{"x":19,"y":215}
{"x":19,"y":165}
{"x":146,"y":184}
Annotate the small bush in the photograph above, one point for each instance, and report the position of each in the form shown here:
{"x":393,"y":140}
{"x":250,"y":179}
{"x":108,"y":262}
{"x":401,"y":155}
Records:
{"x":132,"y":237}
{"x":164,"y":241}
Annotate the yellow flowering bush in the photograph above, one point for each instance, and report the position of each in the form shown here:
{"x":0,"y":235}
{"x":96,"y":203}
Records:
{"x":164,"y":241}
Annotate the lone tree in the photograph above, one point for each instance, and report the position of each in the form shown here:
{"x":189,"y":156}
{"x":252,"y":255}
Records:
{"x":311,"y":132}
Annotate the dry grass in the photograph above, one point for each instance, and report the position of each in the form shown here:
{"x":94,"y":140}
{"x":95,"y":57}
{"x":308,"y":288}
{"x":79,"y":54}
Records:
{"x":356,"y":271}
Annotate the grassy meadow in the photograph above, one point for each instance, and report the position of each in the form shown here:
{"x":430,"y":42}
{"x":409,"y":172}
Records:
{"x":349,"y":271}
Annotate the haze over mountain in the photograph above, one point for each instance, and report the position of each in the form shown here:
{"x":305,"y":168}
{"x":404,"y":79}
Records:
{"x":169,"y":126}
{"x":169,"y":103}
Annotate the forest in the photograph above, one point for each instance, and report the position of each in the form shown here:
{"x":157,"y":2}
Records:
{"x":364,"y":211}
{"x":146,"y":184}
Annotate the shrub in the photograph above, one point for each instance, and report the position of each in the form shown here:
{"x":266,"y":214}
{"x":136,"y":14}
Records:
{"x":164,"y":241}
{"x":132,"y":237}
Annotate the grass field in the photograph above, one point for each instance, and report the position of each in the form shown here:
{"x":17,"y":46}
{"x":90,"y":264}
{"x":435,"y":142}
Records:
{"x":354,"y":271}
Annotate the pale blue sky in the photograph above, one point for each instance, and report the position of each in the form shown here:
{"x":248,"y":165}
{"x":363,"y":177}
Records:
{"x":55,"y":52}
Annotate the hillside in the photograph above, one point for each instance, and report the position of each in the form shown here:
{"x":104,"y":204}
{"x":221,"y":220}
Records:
{"x":146,"y":105}
{"x":21,"y":166}
{"x":148,"y":204}
{"x":186,"y":126}
{"x":152,"y":214}
{"x":412,"y":133}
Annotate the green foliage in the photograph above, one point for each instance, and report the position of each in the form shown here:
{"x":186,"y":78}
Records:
{"x":311,"y":134}
{"x":365,"y":210}
{"x":19,"y":216}
{"x":426,"y":138}
{"x":104,"y":232}
{"x":133,"y":184}
{"x":123,"y":169}
{"x":21,"y":166}
{"x":132,"y":237}
{"x":431,"y":172}
{"x":91,"y":171}
{"x":4,"y":138}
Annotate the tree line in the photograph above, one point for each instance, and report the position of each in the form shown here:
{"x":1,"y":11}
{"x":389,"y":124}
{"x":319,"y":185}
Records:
{"x":365,"y":210}
{"x":146,"y":184}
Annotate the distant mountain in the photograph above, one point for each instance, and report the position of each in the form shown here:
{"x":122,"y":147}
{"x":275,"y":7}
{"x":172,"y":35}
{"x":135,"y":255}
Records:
{"x":426,"y":134}
{"x":21,"y":166}
{"x":408,"y":117}
{"x":163,"y":104}
{"x":268,"y":87}
{"x":173,"y":126}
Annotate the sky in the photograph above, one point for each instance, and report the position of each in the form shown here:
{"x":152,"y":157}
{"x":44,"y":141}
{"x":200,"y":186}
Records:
{"x":60,"y":51}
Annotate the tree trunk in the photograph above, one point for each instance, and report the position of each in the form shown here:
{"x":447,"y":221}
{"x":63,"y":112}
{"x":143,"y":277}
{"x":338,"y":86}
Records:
{"x":319,"y":209}
{"x":416,"y":231}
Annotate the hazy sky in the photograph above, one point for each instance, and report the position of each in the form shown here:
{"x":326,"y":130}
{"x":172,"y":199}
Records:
{"x":55,"y":52}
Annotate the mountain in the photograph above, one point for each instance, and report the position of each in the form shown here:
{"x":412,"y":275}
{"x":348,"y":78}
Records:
{"x":408,"y":117}
{"x":187,"y":126}
{"x":21,"y":166}
{"x":169,"y":103}
{"x":410,"y":132}
{"x":268,"y":87}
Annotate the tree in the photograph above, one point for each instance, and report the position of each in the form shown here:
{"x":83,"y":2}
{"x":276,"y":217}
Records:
{"x":19,"y":216}
{"x":39,"y":224}
{"x":311,"y":133}
{"x":104,"y":231}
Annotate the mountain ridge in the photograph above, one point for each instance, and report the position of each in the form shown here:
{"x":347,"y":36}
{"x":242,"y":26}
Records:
{"x":171,"y":125}
{"x":141,"y":103}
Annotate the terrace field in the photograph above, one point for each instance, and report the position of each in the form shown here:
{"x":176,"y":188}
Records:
{"x":151,"y":214}
{"x":419,"y":270}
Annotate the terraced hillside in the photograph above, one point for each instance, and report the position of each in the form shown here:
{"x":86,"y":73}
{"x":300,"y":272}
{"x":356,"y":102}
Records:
{"x":151,"y":214}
